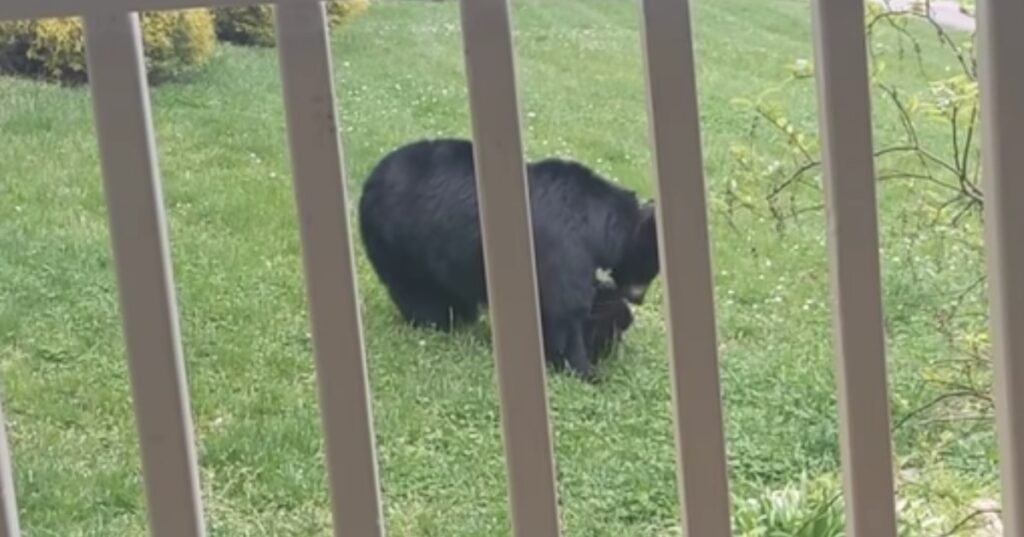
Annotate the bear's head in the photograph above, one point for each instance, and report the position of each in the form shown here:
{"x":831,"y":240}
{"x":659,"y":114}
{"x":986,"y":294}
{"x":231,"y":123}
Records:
{"x":639,"y":263}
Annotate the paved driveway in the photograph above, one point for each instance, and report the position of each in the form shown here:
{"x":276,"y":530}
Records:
{"x":945,"y":12}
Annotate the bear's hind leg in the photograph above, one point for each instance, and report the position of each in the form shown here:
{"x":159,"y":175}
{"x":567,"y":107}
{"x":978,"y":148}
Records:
{"x":464,"y":312}
{"x":422,"y":305}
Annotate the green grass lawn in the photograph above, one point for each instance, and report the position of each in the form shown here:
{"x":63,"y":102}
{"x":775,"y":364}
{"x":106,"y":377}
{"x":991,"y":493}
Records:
{"x":239,"y":282}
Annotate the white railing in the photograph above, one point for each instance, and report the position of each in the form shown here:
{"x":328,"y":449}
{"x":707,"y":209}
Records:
{"x":844,"y":113}
{"x":138,"y":231}
{"x":1001,"y":41}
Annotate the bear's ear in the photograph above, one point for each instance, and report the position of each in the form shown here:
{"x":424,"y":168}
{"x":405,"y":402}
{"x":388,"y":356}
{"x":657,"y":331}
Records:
{"x":646,"y":234}
{"x":646,"y":213}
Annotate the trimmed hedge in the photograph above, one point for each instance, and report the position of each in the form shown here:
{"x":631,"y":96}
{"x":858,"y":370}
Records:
{"x":54,"y":49}
{"x":254,"y":25}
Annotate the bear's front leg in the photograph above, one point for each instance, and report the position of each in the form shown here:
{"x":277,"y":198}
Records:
{"x":577,"y":355}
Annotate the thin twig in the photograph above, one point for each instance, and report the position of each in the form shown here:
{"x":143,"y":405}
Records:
{"x":962,"y":524}
{"x":930,"y":405}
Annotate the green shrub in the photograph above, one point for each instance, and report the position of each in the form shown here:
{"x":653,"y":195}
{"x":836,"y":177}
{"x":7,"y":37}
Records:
{"x":177,"y":41}
{"x":809,"y":508}
{"x":54,"y":49}
{"x":254,"y":25}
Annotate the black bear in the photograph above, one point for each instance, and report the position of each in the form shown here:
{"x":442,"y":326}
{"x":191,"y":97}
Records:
{"x":608,"y":320}
{"x":420,"y":224}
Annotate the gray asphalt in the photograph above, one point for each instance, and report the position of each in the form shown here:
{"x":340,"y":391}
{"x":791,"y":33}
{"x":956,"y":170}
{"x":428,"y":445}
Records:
{"x":945,"y":12}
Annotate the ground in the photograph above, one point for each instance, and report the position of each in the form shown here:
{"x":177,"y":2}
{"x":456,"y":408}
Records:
{"x":238,"y":275}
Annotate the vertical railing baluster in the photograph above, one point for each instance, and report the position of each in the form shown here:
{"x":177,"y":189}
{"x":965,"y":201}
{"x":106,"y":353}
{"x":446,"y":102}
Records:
{"x":1000,"y":43}
{"x":508,"y":252}
{"x":138,"y":230}
{"x":8,"y":505}
{"x":686,"y":266}
{"x":319,"y":182}
{"x":844,"y":107}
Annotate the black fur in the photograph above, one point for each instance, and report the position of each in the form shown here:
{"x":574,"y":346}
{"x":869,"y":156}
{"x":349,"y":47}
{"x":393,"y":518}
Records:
{"x":420,"y":224}
{"x":608,"y":320}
